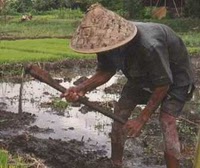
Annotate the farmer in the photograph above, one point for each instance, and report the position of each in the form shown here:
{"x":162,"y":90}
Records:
{"x":158,"y":71}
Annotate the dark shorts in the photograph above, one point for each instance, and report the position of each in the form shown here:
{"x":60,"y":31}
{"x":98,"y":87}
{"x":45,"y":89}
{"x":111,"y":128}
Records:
{"x":173,"y":103}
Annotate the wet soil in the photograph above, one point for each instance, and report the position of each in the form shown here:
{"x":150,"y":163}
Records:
{"x":17,"y":131}
{"x":57,"y":153}
{"x":9,"y":120}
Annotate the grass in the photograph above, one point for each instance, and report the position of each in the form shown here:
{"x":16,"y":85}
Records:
{"x":181,"y":25}
{"x":51,"y":24}
{"x":192,"y":41}
{"x":8,"y":161}
{"x":62,"y":23}
{"x":36,"y":50}
{"x":3,"y":158}
{"x":57,"y":23}
{"x":197,"y":156}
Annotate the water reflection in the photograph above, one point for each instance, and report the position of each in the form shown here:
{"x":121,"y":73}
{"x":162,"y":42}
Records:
{"x":93,"y":127}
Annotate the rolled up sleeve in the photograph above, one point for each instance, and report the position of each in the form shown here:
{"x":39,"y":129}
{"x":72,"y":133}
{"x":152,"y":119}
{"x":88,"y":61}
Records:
{"x":104,"y":63}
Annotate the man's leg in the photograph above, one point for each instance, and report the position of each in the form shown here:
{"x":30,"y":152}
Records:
{"x":123,"y":109}
{"x":171,"y":107}
{"x":171,"y":140}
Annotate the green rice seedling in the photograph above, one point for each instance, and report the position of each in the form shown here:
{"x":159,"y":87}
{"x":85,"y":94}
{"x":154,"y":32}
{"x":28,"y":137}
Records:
{"x":37,"y":50}
{"x":57,"y":23}
{"x":194,"y":51}
{"x":191,"y":39}
{"x":3,"y":158}
{"x":10,"y":161}
{"x":59,"y":104}
{"x":197,"y":155}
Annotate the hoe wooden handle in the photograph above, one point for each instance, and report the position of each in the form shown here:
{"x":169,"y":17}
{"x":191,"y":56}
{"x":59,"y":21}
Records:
{"x":45,"y":77}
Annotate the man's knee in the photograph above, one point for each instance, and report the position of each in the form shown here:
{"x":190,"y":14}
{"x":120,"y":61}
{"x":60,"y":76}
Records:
{"x":124,"y":108}
{"x":167,"y":119}
{"x":123,"y":111}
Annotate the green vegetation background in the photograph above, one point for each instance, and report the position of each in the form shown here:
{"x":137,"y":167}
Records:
{"x":46,"y":37}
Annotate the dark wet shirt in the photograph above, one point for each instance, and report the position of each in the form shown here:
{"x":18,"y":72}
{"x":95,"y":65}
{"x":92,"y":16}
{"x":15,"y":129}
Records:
{"x":155,"y":57}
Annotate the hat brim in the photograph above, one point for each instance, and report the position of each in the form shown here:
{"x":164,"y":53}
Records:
{"x":107,"y":48}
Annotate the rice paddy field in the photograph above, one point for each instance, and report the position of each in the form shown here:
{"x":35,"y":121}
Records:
{"x":46,"y":37}
{"x":36,"y":50}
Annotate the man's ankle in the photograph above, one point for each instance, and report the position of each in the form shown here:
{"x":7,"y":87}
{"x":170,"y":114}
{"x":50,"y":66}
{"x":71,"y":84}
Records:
{"x":116,"y":164}
{"x":171,"y":161}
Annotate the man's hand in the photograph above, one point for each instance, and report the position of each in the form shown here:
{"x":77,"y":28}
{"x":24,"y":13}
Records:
{"x":72,"y":94}
{"x":133,"y":127}
{"x":99,"y":78}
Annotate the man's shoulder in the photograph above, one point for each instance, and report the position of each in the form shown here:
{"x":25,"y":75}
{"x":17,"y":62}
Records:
{"x":154,"y":29}
{"x":150,"y":25}
{"x":152,"y":34}
{"x":149,"y":34}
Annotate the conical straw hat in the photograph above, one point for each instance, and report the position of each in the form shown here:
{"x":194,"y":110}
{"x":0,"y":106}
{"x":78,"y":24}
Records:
{"x":102,"y":30}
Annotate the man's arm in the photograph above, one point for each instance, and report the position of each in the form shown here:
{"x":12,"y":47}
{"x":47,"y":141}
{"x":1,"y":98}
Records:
{"x":99,"y":78}
{"x":133,"y":127}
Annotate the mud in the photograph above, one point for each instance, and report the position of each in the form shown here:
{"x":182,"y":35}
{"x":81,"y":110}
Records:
{"x":55,"y":140}
{"x":57,"y":153}
{"x":9,"y":120}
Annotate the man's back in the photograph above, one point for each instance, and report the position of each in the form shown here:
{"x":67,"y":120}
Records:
{"x":157,"y":48}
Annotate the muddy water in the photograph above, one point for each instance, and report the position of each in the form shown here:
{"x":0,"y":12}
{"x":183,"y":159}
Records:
{"x":93,"y":128}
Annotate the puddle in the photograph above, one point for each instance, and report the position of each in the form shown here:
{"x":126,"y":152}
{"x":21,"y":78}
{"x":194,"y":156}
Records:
{"x":93,"y":128}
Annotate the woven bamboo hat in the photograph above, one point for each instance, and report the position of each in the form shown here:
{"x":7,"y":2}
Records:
{"x":102,"y":30}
